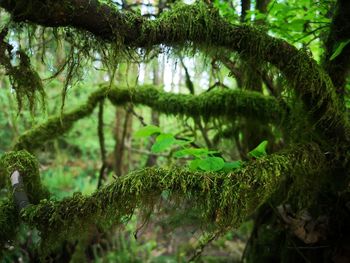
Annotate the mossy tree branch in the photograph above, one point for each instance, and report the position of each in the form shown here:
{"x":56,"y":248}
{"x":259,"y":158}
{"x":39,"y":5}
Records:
{"x":218,"y":103}
{"x":200,"y":25}
{"x":224,"y":199}
{"x":28,"y":167}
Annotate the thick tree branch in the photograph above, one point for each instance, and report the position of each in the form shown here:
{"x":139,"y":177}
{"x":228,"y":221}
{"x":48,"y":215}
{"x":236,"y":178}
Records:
{"x":224,"y":199}
{"x":202,"y":26}
{"x":218,"y":103}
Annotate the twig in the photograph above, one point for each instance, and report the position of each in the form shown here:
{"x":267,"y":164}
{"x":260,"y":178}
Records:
{"x":101,"y":139}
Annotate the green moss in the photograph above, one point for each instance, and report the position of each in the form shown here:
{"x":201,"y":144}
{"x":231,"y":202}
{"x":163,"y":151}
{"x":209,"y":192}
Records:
{"x":226,"y":104}
{"x":28,"y":167}
{"x":56,"y":126}
{"x":218,"y":103}
{"x":26,"y":83}
{"x":225,"y":200}
{"x":199,"y":25}
{"x":9,"y":222}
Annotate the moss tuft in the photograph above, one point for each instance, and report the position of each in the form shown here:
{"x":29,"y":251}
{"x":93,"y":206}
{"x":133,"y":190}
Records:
{"x":28,"y":167}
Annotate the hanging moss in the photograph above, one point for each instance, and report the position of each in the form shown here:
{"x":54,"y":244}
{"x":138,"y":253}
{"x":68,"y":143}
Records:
{"x":199,"y":25}
{"x":26,"y":83}
{"x":224,"y":199}
{"x":218,"y":103}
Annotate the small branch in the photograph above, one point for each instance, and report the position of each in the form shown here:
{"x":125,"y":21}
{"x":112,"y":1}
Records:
{"x":205,"y":240}
{"x":145,"y":152}
{"x":101,"y":139}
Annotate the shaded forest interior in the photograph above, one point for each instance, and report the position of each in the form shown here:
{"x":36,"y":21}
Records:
{"x":174,"y":131}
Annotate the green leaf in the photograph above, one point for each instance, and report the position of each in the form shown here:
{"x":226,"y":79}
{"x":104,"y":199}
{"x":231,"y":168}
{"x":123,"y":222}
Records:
{"x":259,"y":151}
{"x":339,"y":48}
{"x":194,"y":164}
{"x":211,"y":164}
{"x":230,"y":166}
{"x":196,"y":152}
{"x":163,"y":142}
{"x":183,"y":142}
{"x":296,"y":25}
{"x":147,"y":131}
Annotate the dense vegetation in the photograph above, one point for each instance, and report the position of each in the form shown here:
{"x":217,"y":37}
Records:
{"x":129,"y":120}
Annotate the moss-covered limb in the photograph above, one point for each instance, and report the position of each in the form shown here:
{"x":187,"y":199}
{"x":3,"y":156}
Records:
{"x":224,"y":199}
{"x":56,"y":126}
{"x":338,"y":68}
{"x":200,"y":25}
{"x":9,"y":223}
{"x":28,"y":167}
{"x":100,"y":19}
{"x":218,"y":103}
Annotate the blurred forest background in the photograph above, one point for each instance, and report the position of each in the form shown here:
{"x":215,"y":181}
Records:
{"x":72,"y":163}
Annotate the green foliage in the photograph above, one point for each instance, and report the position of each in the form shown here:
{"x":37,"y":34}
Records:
{"x":339,"y":48}
{"x":163,"y":142}
{"x":230,"y":166}
{"x":124,"y":247}
{"x":212,"y":164}
{"x":147,"y":131}
{"x":203,"y":158}
{"x":259,"y":151}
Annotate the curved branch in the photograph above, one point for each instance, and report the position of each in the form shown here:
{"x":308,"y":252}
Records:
{"x":225,"y":199}
{"x":217,"y":103}
{"x":202,"y":26}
